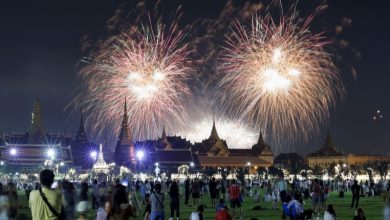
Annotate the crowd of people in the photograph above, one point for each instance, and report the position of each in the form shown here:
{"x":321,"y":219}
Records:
{"x":113,"y":201}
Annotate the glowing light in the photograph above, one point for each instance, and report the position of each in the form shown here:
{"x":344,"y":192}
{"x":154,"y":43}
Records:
{"x":278,"y":76}
{"x":62,"y":164}
{"x":93,"y":154}
{"x":156,"y":164}
{"x":192,"y":164}
{"x":51,"y":153}
{"x":145,"y":64}
{"x":140,"y":155}
{"x":248,"y":163}
{"x":13,"y":151}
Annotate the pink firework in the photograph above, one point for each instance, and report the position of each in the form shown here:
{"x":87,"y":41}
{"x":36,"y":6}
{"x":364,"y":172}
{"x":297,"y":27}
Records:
{"x":278,"y":76}
{"x":146,"y":66}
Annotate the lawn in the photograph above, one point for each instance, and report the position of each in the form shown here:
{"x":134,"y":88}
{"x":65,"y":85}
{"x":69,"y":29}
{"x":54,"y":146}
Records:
{"x":372,"y":206}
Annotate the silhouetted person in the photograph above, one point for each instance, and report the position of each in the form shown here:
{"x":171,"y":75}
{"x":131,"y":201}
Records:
{"x":355,"y":188}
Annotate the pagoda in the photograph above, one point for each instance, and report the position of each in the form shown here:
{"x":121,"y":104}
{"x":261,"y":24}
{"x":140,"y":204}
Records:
{"x":124,"y":149}
{"x":100,"y":165}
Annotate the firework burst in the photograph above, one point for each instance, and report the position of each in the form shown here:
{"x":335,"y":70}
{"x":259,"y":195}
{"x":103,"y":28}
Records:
{"x":147,"y":67}
{"x":279,"y":76}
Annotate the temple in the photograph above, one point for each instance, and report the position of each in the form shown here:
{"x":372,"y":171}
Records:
{"x":37,"y":146}
{"x":173,"y":151}
{"x":124,"y":149}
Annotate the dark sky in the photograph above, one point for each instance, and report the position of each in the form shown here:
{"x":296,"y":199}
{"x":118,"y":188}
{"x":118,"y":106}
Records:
{"x":40,"y":47}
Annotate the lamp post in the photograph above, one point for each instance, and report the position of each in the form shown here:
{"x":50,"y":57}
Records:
{"x":249,"y":167}
{"x":140,"y":156}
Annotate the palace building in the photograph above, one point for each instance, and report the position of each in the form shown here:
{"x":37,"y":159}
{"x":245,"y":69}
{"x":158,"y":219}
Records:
{"x":38,"y":147}
{"x":329,"y":154}
{"x":213,"y":152}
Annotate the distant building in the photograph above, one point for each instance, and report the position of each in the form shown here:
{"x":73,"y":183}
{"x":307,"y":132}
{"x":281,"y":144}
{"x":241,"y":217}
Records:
{"x":124,"y":154}
{"x":214,"y":152}
{"x":37,"y":146}
{"x":82,"y":148}
{"x":329,"y":154}
{"x":174,"y":151}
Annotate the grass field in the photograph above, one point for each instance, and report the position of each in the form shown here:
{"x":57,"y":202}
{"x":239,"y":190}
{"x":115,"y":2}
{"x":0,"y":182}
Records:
{"x":372,"y":206}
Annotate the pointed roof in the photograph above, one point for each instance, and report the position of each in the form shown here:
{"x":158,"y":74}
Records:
{"x":261,"y":147}
{"x":214,"y":134}
{"x":81,"y":135}
{"x":329,"y":141}
{"x":328,"y":149}
{"x":37,"y":131}
{"x":164,"y":140}
{"x":125,"y":136}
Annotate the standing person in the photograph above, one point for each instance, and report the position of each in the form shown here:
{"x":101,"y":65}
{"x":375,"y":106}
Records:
{"x":157,"y":203}
{"x":148,"y":210}
{"x":95,"y":194}
{"x":13,"y":200}
{"x":187,"y":190}
{"x":68,"y":194}
{"x":83,"y":199}
{"x":355,"y":194}
{"x":282,"y":187}
{"x":330,"y":214}
{"x":234,"y":192}
{"x":45,"y":203}
{"x":213,"y":191}
{"x":121,"y":209}
{"x":195,"y":191}
{"x":148,"y":188}
{"x":316,"y":193}
{"x":175,"y":199}
{"x":359,"y":215}
{"x":104,"y":209}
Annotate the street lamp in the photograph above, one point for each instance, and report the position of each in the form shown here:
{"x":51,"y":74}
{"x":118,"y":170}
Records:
{"x":140,"y":155}
{"x":249,"y":166}
{"x":93,"y":155}
{"x":13,"y":151}
{"x":51,"y":153}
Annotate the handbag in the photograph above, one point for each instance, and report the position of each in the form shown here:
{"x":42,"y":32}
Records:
{"x":60,"y":216}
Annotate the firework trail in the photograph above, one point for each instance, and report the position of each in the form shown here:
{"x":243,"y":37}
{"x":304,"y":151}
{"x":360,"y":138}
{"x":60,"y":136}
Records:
{"x":278,"y":76}
{"x":146,"y":66}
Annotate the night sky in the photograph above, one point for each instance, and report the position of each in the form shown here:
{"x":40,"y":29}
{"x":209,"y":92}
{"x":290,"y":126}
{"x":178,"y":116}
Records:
{"x":40,"y":46}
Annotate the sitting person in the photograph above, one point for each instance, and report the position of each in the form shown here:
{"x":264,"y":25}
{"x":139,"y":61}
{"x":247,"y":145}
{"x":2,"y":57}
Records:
{"x":198,"y":215}
{"x":220,"y":205}
{"x":359,"y":215}
{"x":295,"y":207}
{"x":223,"y":214}
{"x":330,"y":214}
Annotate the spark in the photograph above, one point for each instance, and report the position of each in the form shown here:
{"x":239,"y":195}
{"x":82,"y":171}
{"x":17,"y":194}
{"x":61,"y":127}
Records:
{"x":279,"y":76}
{"x":145,"y":65}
